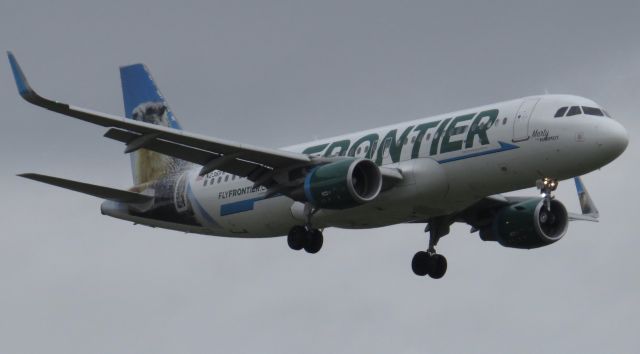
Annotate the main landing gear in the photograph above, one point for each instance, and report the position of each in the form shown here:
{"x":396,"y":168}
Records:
{"x":429,"y":262}
{"x":306,"y":237}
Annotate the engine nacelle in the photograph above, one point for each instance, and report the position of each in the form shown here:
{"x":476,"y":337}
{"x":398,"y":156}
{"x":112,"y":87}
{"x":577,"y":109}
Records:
{"x":343,"y":184}
{"x":528,"y":224}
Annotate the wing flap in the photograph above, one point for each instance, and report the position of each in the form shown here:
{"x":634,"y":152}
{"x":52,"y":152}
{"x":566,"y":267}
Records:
{"x":582,"y":217}
{"x":237,"y":166}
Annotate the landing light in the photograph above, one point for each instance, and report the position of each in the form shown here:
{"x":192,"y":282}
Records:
{"x":549,"y":183}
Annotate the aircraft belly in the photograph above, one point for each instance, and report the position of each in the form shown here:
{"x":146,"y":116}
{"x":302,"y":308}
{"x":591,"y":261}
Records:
{"x":267,"y":218}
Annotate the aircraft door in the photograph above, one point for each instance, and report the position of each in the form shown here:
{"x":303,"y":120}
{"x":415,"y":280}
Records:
{"x":521,"y":120}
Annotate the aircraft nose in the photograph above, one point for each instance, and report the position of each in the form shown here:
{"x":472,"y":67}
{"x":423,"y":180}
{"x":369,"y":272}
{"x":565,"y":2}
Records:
{"x":612,"y":139}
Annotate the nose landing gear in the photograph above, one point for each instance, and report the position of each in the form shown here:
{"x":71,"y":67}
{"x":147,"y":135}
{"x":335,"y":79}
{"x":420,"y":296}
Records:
{"x":429,"y":262}
{"x":547,"y":186}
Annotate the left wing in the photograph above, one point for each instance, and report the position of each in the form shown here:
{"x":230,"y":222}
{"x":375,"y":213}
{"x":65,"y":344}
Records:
{"x":258,"y":164}
{"x":214,"y":154}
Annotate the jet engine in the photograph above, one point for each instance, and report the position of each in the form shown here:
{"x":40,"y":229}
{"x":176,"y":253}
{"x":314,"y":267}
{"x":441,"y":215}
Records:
{"x":528,"y":224}
{"x":342,"y":184}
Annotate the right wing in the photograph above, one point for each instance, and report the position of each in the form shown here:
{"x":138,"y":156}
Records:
{"x":213,"y":154}
{"x":588,"y":207}
{"x":482,"y":212}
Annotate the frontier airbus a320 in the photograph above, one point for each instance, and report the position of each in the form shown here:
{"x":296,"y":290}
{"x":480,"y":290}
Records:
{"x":438,"y":170}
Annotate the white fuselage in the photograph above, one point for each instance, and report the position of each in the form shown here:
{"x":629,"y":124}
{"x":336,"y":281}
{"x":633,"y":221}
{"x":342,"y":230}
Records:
{"x":448,"y":162}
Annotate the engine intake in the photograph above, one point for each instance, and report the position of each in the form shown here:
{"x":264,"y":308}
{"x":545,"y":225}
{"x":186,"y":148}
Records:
{"x":528,"y":224}
{"x":343,"y":184}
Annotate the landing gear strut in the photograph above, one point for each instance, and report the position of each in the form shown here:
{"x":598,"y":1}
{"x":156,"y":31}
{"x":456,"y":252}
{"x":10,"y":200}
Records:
{"x":547,"y":186}
{"x":306,"y":237}
{"x":429,"y":262}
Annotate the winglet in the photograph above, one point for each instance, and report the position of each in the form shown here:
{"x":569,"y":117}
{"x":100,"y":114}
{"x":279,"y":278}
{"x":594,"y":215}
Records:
{"x":589,"y":210}
{"x":28,"y":93}
{"x":21,"y":80}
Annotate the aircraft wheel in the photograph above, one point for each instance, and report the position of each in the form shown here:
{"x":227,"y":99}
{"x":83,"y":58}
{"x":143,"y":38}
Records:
{"x":297,"y":237}
{"x":314,"y":241}
{"x":437,"y":266}
{"x":420,"y":263}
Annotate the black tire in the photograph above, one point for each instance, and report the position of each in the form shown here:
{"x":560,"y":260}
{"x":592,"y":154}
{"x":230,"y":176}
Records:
{"x":314,"y":241}
{"x":438,"y":266}
{"x":420,"y":263}
{"x":297,"y":237}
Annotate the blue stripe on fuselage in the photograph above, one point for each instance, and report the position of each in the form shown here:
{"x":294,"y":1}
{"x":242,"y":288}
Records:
{"x":242,"y":205}
{"x":503,"y":147}
{"x":248,"y":204}
{"x":238,"y":207}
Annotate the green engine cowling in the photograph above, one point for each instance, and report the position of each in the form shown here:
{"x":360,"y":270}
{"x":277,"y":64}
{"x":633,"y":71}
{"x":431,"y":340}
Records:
{"x":528,"y":224}
{"x":343,"y":184}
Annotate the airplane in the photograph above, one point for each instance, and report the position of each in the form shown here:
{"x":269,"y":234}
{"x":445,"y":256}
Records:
{"x":435,"y":171}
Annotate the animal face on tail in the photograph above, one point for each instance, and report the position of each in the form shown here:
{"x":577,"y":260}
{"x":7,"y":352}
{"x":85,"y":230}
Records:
{"x":149,"y":166}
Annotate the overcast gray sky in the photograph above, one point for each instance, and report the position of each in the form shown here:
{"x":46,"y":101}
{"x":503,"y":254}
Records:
{"x":276,"y":73}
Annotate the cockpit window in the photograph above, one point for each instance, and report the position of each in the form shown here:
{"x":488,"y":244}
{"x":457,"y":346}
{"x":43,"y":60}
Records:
{"x":574,"y":110}
{"x":561,"y":112}
{"x":593,"y":111}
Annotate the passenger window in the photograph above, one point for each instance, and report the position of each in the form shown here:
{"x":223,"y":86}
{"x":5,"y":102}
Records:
{"x":226,"y":178}
{"x":561,"y":112}
{"x":504,"y":121}
{"x":574,"y":110}
{"x":592,"y":111}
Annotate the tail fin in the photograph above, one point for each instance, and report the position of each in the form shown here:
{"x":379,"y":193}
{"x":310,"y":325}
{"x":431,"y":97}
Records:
{"x":144,"y":102}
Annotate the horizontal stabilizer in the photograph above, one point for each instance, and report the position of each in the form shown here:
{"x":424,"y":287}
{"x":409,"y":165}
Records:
{"x":116,"y":195}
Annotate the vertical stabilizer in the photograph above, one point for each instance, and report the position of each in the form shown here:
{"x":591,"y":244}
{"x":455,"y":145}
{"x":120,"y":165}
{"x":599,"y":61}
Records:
{"x":144,"y":102}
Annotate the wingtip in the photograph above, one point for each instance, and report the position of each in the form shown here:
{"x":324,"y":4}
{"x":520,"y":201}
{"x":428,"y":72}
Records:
{"x":579,"y":184}
{"x":27,"y":175}
{"x":21,"y":80}
{"x":586,"y":203}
